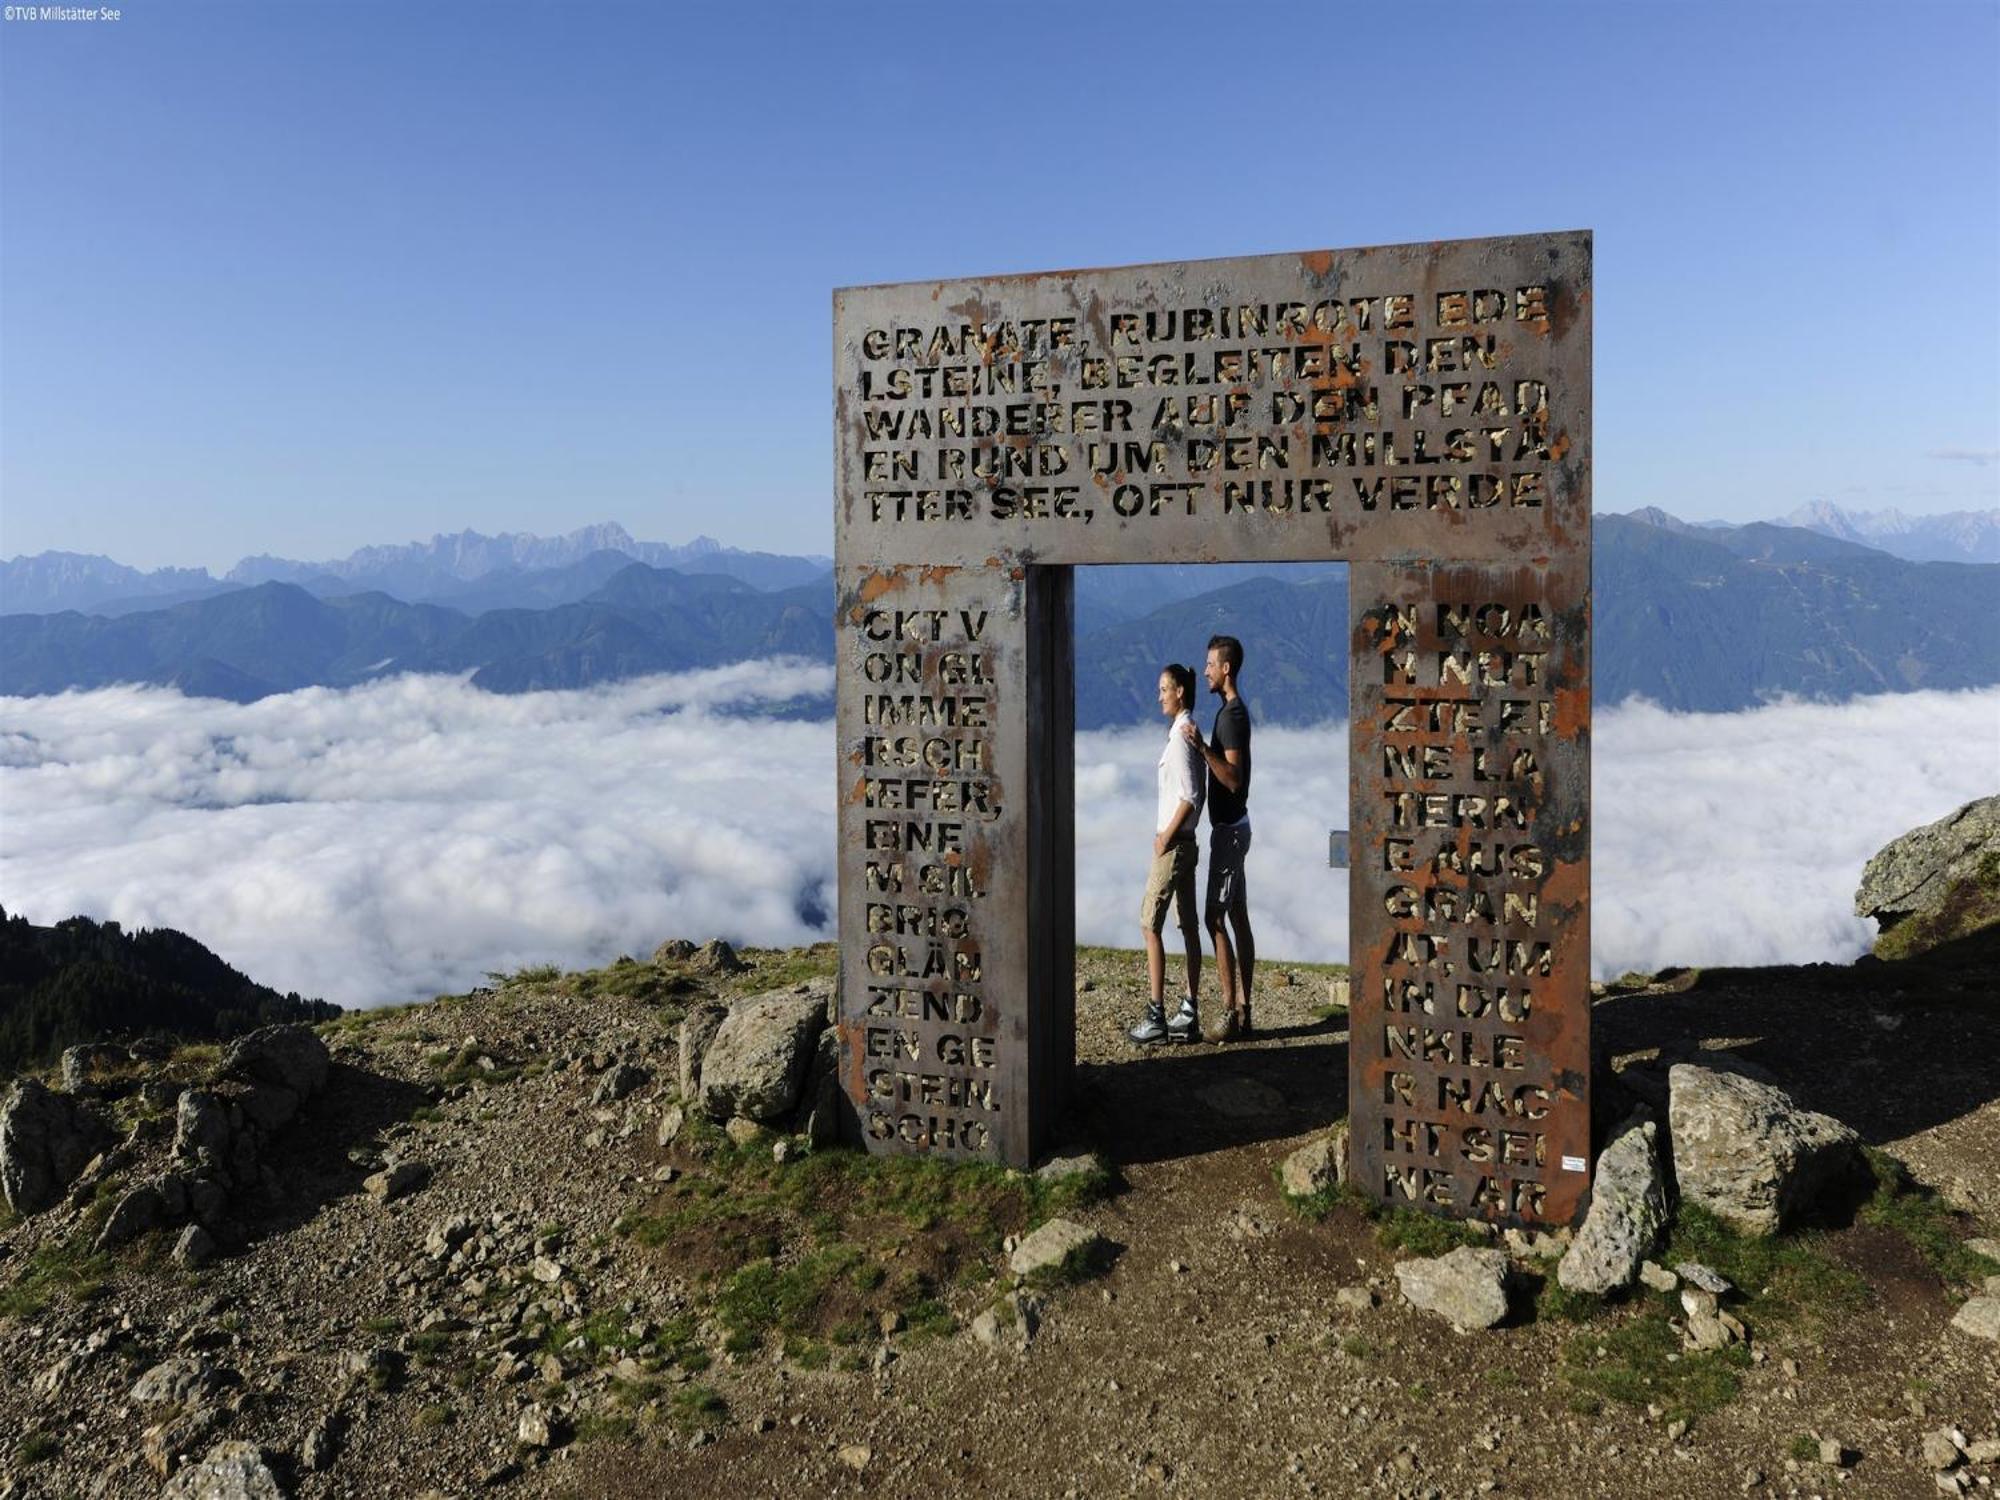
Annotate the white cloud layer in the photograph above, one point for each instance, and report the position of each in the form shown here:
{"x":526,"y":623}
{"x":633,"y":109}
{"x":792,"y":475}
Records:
{"x":397,"y":840}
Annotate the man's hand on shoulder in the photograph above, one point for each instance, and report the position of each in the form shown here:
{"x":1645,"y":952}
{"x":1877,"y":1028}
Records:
{"x":1191,"y":734}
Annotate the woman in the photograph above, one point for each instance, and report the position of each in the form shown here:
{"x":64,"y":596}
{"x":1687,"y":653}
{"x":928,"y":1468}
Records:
{"x":1182,"y":785}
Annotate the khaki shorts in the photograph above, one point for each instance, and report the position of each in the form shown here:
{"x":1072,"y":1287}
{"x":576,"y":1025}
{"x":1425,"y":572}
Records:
{"x":1170,"y":879}
{"x":1227,"y":892}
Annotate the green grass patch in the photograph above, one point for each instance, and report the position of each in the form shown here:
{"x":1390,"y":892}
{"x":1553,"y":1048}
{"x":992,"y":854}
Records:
{"x":696,"y":1405}
{"x":430,"y":1346}
{"x":382,"y":1327}
{"x":426,"y":1114}
{"x":634,"y":982}
{"x":814,"y":1251}
{"x":1932,"y":1226}
{"x":1780,"y":1276}
{"x":1421,"y":1234}
{"x":434,"y":1416}
{"x":531,"y":974}
{"x":1354,"y":1346}
{"x":777,"y":968}
{"x":1501,"y":1378}
{"x":1804,"y":1448}
{"x":37,"y":1447}
{"x":1640,"y":1363}
{"x":607,"y":1427}
{"x":69,"y":1269}
{"x":1555,"y":1303}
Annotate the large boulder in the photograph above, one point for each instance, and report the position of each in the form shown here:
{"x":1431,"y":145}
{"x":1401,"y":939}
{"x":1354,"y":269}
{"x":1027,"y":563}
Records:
{"x":1468,"y":1287}
{"x":283,"y":1066}
{"x":756,"y":1066}
{"x":1935,"y":883}
{"x":46,"y":1140}
{"x":698,"y":1029}
{"x":1628,"y":1209}
{"x":1747,"y":1152}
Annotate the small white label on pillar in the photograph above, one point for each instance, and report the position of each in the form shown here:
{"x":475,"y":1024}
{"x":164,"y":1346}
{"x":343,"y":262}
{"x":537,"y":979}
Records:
{"x":1575,"y":1164}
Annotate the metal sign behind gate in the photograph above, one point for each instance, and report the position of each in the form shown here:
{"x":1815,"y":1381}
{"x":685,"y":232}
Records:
{"x":1422,"y":411}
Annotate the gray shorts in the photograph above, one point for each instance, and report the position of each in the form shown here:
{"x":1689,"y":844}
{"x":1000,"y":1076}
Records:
{"x":1228,"y":894}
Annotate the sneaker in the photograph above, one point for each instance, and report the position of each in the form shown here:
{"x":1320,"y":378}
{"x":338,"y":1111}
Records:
{"x":1152,"y":1026}
{"x":1186,"y":1023}
{"x":1224,"y":1029}
{"x":1243,"y":1026}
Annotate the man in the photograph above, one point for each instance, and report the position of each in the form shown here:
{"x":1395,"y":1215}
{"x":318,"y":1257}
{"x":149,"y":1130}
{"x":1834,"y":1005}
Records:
{"x":1182,"y":789}
{"x":1228,"y":905}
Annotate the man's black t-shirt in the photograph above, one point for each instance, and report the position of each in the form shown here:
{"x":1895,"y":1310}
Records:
{"x":1231,"y":732}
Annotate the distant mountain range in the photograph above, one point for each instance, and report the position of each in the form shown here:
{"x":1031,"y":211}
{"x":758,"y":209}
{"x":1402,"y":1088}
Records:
{"x":1690,"y":616}
{"x":1959,"y":536}
{"x":468,"y":571}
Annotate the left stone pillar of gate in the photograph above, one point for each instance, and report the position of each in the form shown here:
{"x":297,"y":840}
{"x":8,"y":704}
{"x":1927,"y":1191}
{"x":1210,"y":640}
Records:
{"x":955,"y":723}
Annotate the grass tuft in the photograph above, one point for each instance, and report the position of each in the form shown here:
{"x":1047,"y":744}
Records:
{"x":1920,"y":1216}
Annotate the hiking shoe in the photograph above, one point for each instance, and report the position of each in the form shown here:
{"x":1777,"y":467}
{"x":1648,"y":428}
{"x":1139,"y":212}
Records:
{"x":1185,"y":1025}
{"x":1224,"y":1029}
{"x":1152,"y":1027}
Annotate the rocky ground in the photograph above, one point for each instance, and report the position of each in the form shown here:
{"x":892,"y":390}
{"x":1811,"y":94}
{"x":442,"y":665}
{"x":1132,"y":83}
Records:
{"x":464,"y":1260}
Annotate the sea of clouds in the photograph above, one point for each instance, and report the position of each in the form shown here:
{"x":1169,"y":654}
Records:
{"x":394,"y":841}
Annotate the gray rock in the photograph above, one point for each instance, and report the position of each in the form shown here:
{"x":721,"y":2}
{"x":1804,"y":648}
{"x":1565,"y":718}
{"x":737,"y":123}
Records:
{"x":231,"y":1471}
{"x":1940,"y":1448}
{"x":1075,"y":1162}
{"x":321,"y":1444}
{"x":81,"y":1064}
{"x":1657,"y":1276}
{"x":756,"y":1065}
{"x":1468,"y":1287}
{"x":742,"y":1132}
{"x":180,"y":1381}
{"x":674,"y":951}
{"x":1052,"y":1245}
{"x":1354,"y":1298}
{"x":46,"y":1140}
{"x":1010,"y":1324}
{"x":619,"y":1081}
{"x":672,"y":1118}
{"x":1628,"y":1209}
{"x":536,"y":1428}
{"x":447,"y":1235}
{"x":1747,"y":1152}
{"x":1316,"y":1167}
{"x":1980,"y":1317}
{"x":698,"y":1028}
{"x":291,"y":1057}
{"x":194,"y":1249}
{"x":395,"y":1182}
{"x":716,"y":957}
{"x":140,"y":1209}
{"x":202,"y":1130}
{"x":1920,"y":873}
{"x":168,"y":1444}
{"x":820,"y":1100}
{"x":1710,"y":1280}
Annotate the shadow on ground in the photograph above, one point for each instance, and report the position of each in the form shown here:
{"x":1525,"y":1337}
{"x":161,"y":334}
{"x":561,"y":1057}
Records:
{"x":1891,"y":1048}
{"x":1187,"y":1100}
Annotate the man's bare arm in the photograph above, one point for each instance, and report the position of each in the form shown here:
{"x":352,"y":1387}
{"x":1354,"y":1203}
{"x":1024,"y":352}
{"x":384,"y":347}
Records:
{"x":1227,"y":767}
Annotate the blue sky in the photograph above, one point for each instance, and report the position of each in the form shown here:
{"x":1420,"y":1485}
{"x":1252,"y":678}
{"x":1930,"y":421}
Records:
{"x":300,"y":277}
